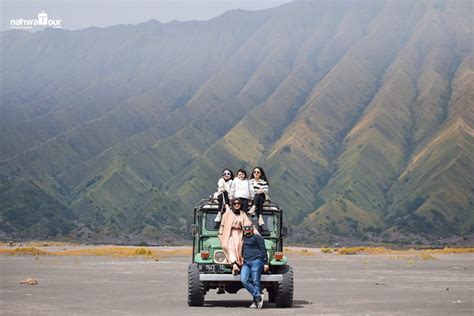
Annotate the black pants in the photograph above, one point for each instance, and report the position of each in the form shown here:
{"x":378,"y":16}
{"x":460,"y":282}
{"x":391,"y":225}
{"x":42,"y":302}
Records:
{"x":244,"y":204}
{"x":223,"y":199}
{"x":258,"y":201}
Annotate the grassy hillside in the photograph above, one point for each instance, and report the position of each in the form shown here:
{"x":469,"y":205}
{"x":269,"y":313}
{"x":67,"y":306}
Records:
{"x":360,"y":112}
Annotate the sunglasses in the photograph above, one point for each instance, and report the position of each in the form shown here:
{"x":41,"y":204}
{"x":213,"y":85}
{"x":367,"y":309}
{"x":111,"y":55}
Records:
{"x":226,"y":174}
{"x":256,"y":171}
{"x":236,"y":203}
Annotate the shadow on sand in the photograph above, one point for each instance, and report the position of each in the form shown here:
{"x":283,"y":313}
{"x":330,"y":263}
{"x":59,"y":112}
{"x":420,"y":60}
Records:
{"x":246,"y":303}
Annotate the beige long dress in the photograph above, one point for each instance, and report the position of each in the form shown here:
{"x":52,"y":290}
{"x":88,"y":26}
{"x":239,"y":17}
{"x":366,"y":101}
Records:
{"x":231,"y":236}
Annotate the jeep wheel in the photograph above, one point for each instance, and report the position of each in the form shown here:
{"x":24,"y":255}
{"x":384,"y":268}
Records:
{"x":196,"y":289}
{"x":284,"y":291}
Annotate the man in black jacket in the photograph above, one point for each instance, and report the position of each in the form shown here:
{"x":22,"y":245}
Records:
{"x":255,"y":260}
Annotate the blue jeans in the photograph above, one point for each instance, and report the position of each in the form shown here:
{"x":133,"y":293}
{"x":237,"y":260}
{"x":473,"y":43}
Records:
{"x":250,"y":276}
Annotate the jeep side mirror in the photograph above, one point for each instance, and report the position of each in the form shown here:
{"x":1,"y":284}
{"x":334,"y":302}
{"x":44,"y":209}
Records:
{"x":284,"y":231}
{"x":194,"y":229}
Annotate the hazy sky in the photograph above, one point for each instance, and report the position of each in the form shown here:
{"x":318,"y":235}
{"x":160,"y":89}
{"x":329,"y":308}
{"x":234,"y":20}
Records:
{"x":78,"y":14}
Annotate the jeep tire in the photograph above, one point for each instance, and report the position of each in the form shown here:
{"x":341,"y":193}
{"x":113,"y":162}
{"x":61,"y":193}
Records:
{"x":196,"y":288}
{"x":284,"y":290}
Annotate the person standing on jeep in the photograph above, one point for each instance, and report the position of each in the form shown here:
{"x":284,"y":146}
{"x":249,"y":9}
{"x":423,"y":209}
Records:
{"x":255,"y":261}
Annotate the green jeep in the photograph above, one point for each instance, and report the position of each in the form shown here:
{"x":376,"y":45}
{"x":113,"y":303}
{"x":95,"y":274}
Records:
{"x":210,"y":270}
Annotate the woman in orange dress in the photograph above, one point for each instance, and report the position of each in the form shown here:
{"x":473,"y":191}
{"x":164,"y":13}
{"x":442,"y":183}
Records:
{"x":231,"y":235}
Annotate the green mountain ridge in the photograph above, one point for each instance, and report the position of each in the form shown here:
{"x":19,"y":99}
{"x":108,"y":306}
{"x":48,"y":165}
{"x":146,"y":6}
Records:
{"x":360,"y":113}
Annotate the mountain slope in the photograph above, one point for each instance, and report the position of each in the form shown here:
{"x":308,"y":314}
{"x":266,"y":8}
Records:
{"x":434,"y":193}
{"x":360,"y":113}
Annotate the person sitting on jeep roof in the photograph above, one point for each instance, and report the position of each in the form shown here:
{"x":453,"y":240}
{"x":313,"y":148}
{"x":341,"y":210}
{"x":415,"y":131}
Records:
{"x":222,"y":194}
{"x":230,"y":235}
{"x":259,"y":183}
{"x":255,"y":260}
{"x":242,"y":190}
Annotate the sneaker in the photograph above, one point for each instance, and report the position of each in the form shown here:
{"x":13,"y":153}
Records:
{"x":254,"y":305}
{"x":252,"y":210}
{"x":218,"y":217}
{"x":260,"y":302}
{"x":261,"y":222}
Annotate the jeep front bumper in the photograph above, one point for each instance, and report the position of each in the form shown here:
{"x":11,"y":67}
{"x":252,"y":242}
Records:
{"x":236,"y":278}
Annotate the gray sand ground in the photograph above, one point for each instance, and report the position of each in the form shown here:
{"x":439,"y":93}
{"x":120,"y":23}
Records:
{"x":324,"y":284}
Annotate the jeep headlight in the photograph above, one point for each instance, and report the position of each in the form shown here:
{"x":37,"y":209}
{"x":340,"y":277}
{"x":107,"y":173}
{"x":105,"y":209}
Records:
{"x":278,"y":256}
{"x":219,"y":257}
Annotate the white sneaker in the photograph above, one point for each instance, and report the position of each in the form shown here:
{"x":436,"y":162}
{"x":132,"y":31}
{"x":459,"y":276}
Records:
{"x":260,"y":303}
{"x":218,"y":217}
{"x":254,"y":305}
{"x":261,"y":222}
{"x":252,"y":210}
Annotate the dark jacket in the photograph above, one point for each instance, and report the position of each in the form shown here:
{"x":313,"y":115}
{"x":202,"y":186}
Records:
{"x":254,"y":248}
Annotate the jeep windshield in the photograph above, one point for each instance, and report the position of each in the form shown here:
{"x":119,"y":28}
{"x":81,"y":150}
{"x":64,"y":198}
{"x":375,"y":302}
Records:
{"x":210,"y":225}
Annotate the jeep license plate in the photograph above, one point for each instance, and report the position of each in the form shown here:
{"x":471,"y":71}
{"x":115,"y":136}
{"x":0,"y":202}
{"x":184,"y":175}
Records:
{"x":211,"y":268}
